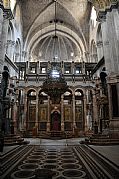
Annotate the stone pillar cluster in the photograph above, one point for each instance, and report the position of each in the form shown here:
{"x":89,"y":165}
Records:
{"x":110,"y":39}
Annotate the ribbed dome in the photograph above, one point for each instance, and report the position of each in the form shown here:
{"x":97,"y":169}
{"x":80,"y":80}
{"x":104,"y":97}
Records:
{"x":59,"y":47}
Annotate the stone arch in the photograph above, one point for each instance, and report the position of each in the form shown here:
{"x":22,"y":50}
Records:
{"x":61,"y":30}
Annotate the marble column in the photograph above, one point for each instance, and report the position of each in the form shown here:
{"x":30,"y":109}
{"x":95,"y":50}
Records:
{"x":62,"y":113}
{"x":48,"y":117}
{"x":36,"y":122}
{"x":85,"y":114}
{"x":62,"y":67}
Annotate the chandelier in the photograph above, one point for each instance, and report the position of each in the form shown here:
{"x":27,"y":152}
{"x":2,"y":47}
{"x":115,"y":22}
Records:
{"x":55,"y":84}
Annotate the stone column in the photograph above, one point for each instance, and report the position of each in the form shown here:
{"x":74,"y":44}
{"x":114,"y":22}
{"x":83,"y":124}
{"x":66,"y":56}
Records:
{"x":24,"y":122}
{"x":48,"y":118}
{"x":115,"y":13}
{"x":111,"y":54}
{"x":62,"y":67}
{"x":111,"y":41}
{"x":73,"y":105}
{"x":15,"y":117}
{"x":36,"y":122}
{"x":95,"y":110}
{"x":62,"y":113}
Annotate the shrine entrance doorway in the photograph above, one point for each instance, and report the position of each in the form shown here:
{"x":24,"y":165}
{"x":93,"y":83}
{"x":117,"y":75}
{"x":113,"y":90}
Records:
{"x":55,"y":121}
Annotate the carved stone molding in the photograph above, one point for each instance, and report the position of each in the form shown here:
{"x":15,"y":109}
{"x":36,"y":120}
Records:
{"x":99,"y":44}
{"x":104,"y":4}
{"x":102,"y":7}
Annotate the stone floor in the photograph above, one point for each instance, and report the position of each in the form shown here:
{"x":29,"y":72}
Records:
{"x":64,"y":159}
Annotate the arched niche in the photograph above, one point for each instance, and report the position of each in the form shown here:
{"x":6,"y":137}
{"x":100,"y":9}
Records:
{"x":68,"y":97}
{"x":43,"y":97}
{"x":79,"y":110}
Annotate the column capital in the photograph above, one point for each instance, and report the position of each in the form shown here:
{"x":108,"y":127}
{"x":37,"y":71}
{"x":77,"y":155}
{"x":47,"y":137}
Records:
{"x":7,"y":14}
{"x":101,"y":16}
{"x":10,"y":42}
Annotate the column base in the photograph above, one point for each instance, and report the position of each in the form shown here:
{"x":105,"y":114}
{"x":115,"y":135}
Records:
{"x":48,"y":126}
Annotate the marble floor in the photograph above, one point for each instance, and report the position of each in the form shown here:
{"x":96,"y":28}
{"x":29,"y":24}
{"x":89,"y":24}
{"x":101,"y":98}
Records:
{"x":59,"y":159}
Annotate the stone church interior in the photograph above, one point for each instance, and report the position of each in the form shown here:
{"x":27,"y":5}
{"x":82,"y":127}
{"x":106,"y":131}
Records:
{"x":59,"y":89}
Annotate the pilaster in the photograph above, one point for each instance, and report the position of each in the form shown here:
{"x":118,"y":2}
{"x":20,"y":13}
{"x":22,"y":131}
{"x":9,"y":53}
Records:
{"x":48,"y":117}
{"x":36,"y":122}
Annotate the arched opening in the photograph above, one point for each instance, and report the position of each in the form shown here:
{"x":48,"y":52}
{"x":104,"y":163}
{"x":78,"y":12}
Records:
{"x":55,"y":124}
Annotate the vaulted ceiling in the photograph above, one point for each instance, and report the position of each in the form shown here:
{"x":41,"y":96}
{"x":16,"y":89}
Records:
{"x":72,"y":27}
